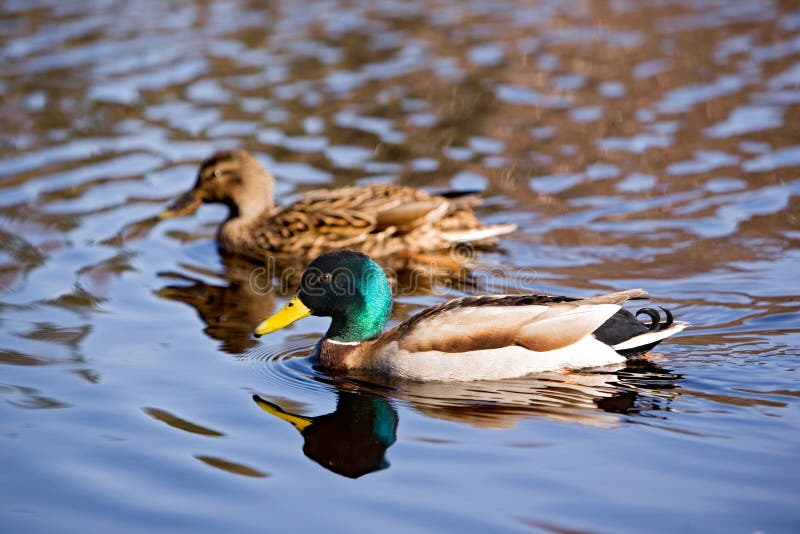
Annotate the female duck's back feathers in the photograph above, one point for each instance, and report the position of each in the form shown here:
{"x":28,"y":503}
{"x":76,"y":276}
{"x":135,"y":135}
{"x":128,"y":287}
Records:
{"x":380,"y":219}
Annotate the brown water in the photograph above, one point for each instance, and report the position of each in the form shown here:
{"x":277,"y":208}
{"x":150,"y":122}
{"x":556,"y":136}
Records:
{"x":636,"y":144}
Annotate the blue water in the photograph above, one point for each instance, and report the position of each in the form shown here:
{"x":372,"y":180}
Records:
{"x":636,"y":144}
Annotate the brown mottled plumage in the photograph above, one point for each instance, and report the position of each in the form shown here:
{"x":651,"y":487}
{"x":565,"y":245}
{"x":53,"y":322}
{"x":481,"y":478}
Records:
{"x":379,"y":219}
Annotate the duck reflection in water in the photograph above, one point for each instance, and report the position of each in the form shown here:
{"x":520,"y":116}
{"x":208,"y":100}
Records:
{"x":596,"y":397}
{"x":352,"y":440}
{"x":229,"y":310}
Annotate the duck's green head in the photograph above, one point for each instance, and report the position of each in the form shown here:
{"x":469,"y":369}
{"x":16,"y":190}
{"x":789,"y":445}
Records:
{"x":348,"y":287}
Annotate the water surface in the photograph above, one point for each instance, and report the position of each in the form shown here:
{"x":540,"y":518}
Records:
{"x":636,"y":144}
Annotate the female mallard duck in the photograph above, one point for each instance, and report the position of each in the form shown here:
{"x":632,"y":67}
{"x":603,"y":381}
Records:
{"x":378,"y":219}
{"x":472,"y":338}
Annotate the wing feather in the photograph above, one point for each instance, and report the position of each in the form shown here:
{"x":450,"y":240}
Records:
{"x":565,"y":327}
{"x":412,"y":214}
{"x":536,"y":322}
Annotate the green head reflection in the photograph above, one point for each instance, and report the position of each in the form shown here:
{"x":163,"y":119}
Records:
{"x":351,"y":441}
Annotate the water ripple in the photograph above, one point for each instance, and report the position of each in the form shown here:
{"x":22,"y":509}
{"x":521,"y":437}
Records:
{"x":288,"y":364}
{"x":635,"y":144}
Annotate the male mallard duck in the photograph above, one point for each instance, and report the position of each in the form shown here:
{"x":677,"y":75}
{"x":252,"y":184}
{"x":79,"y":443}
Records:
{"x":378,"y":219}
{"x":472,"y":338}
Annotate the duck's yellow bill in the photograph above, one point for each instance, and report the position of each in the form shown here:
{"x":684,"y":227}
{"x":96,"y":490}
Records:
{"x":294,"y":310}
{"x":186,"y":204}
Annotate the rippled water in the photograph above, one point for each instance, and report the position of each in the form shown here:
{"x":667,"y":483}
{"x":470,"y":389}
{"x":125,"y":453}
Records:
{"x":636,"y":144}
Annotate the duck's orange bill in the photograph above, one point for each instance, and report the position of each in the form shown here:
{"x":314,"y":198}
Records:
{"x":186,"y":204}
{"x":294,"y":310}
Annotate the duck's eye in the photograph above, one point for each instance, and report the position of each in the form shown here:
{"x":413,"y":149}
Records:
{"x":217,"y":173}
{"x":315,"y":280}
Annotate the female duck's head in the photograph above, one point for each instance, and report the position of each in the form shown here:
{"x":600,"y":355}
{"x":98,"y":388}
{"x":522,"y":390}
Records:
{"x":231,"y":177}
{"x":345,"y":285}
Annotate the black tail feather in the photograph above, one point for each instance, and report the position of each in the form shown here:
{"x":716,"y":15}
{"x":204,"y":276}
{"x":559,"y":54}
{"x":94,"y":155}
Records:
{"x":668,"y":318}
{"x":624,"y":325}
{"x":654,"y":318}
{"x":655,"y":324}
{"x":452,"y":193}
